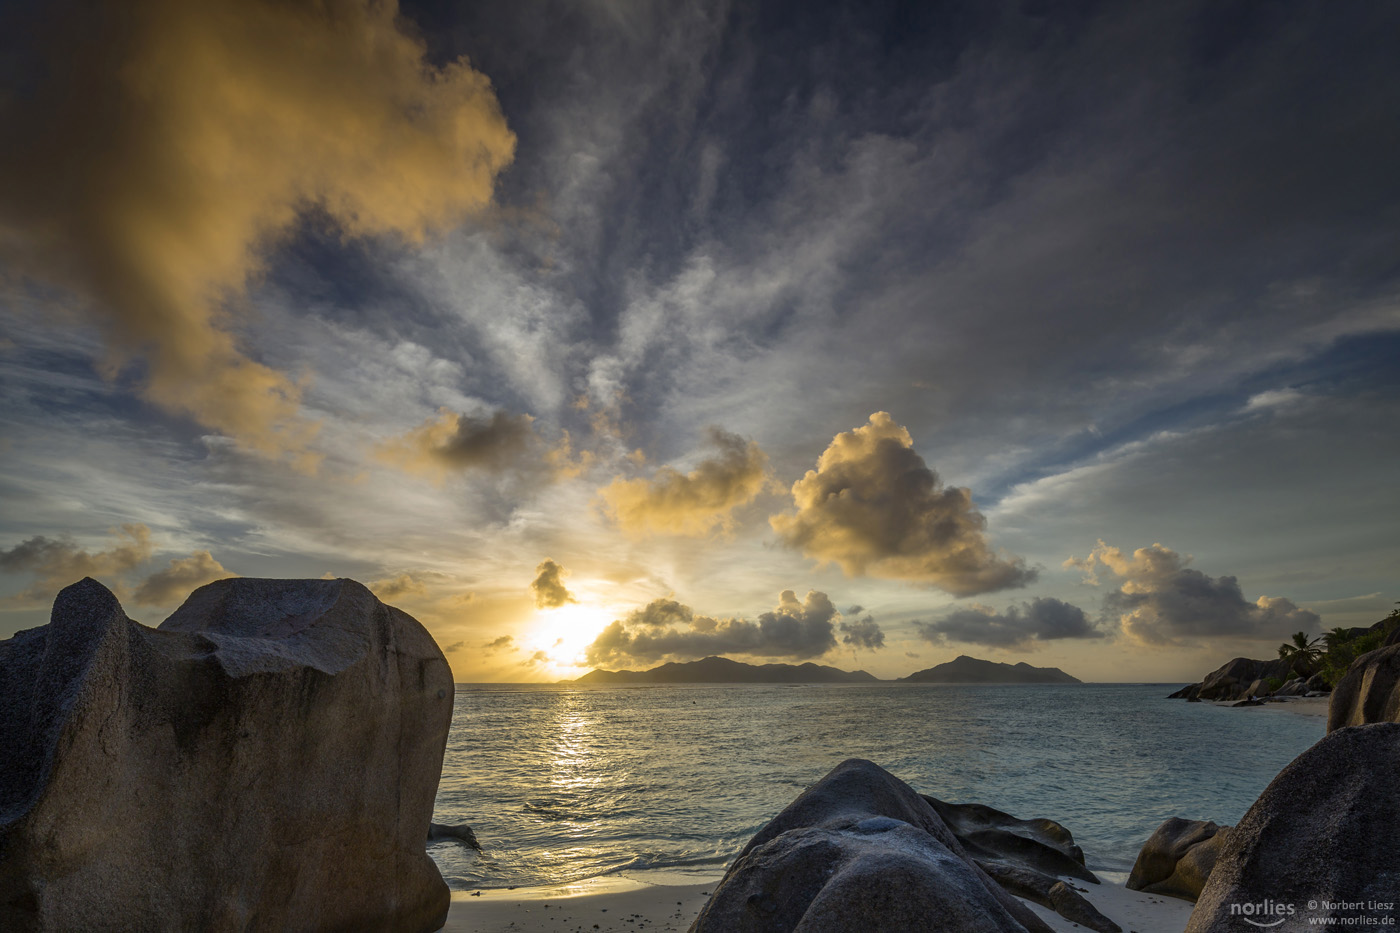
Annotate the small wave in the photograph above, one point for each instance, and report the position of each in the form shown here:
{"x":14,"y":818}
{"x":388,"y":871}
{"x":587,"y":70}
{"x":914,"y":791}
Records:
{"x":594,"y":812}
{"x":547,"y":812}
{"x":652,"y":861}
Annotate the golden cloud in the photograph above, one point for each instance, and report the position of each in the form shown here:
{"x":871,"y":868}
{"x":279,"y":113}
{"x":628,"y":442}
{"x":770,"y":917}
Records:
{"x":564,"y":462}
{"x":873,"y":506}
{"x":55,"y":563}
{"x":453,"y":443}
{"x":184,"y":575}
{"x":398,"y":586}
{"x":691,"y":503}
{"x":174,"y":142}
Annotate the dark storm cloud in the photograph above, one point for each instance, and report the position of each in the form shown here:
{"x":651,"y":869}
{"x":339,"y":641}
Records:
{"x":795,"y":629}
{"x":1161,"y":601}
{"x":874,"y":507}
{"x":1041,"y":619}
{"x":548,"y":586}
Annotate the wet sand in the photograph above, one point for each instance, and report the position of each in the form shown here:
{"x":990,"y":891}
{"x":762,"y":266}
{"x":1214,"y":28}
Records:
{"x":612,"y":905}
{"x":627,"y":906}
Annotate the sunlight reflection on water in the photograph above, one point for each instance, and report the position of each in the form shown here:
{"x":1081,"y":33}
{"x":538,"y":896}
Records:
{"x":564,"y":783}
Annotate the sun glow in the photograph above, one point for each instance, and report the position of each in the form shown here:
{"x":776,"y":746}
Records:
{"x":564,"y":633}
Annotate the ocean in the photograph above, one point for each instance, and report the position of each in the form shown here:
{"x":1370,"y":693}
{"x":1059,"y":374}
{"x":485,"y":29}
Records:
{"x":566,"y":783}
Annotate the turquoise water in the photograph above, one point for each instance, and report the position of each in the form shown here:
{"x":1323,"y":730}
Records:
{"x":564,"y":783}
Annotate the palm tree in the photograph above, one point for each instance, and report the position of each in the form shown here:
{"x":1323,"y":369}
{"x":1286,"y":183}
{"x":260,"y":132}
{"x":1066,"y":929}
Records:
{"x":1338,"y":636}
{"x":1302,"y":651}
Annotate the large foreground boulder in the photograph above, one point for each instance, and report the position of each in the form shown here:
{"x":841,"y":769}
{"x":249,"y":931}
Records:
{"x":267,"y":759}
{"x":1322,"y":833}
{"x":859,"y":851}
{"x":1178,"y":858}
{"x":1369,"y":691}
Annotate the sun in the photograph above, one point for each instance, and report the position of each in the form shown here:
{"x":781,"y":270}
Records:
{"x":564,"y":633}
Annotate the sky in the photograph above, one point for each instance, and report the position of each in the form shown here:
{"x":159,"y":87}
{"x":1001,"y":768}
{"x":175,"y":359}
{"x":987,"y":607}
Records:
{"x":608,"y":333}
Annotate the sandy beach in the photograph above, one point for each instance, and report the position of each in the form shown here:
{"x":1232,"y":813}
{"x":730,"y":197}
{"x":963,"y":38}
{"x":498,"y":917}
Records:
{"x":1131,"y":910}
{"x":620,"y":904}
{"x":1299,"y":706}
{"x":604,"y":905}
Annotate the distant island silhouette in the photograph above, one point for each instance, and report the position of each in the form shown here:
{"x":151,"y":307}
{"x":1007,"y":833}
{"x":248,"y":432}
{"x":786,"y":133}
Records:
{"x":715,"y":670}
{"x":966,"y":670}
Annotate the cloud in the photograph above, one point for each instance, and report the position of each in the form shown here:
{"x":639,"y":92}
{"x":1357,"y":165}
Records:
{"x":183,"y":576}
{"x":454,"y":647}
{"x":863,"y":633}
{"x":548,"y":586}
{"x":398,"y":586}
{"x":660,"y":613}
{"x":564,"y":462}
{"x":691,"y":503}
{"x":1041,"y":619}
{"x":452,"y":443}
{"x":1161,"y":601}
{"x":874,"y":507}
{"x":172,"y":144}
{"x":1274,"y":398}
{"x":55,"y":563}
{"x":666,"y":629}
{"x":504,"y":643}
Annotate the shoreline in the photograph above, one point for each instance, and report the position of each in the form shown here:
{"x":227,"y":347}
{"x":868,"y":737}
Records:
{"x":1134,"y":911}
{"x":669,"y":902}
{"x":610,"y":904}
{"x":626,"y":905}
{"x":1298,"y":706}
